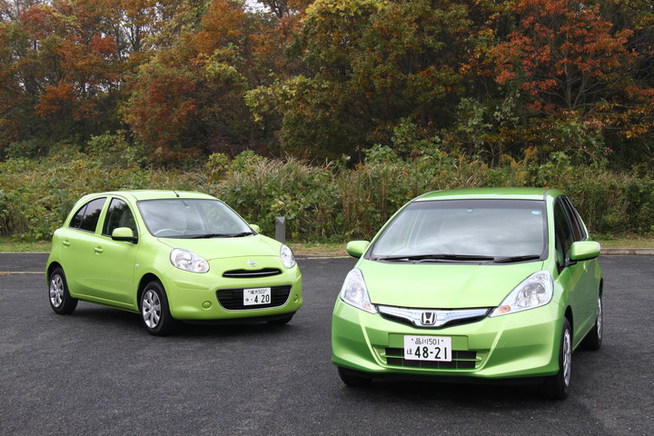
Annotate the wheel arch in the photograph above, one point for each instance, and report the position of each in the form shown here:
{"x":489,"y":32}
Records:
{"x":53,"y":265}
{"x":147,"y":278}
{"x":568,"y":315}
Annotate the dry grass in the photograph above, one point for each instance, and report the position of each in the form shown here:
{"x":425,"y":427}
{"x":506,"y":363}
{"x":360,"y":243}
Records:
{"x":631,"y":241}
{"x":11,"y":246}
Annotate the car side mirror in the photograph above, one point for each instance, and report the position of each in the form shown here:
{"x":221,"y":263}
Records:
{"x":584,"y":250}
{"x":357,"y":248}
{"x":255,"y":227}
{"x":123,"y":234}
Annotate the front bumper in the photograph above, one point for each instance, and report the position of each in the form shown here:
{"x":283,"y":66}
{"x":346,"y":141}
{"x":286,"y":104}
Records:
{"x":193,"y":297}
{"x":518,"y":345}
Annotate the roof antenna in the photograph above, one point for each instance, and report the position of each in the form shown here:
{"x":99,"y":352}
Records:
{"x":176,"y":193}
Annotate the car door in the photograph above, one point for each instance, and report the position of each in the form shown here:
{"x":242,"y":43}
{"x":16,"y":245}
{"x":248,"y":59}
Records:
{"x":588,"y":284}
{"x":113,"y":270}
{"x":78,"y":255}
{"x":570,"y":273}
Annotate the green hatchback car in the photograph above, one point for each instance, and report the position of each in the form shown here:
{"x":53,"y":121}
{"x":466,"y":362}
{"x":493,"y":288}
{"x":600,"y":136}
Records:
{"x":478,"y":284}
{"x":170,"y":256}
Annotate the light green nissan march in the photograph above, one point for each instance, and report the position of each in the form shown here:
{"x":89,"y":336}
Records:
{"x":170,"y":256}
{"x":476,"y":284}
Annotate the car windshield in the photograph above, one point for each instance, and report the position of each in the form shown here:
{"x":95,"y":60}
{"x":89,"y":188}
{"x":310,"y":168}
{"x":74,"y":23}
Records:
{"x":191,"y":218}
{"x":465,"y":230}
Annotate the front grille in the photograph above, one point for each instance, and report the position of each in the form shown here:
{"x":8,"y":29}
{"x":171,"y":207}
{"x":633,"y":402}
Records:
{"x":250,"y":273}
{"x":460,"y":360}
{"x":232,"y":299}
{"x":443,"y":317}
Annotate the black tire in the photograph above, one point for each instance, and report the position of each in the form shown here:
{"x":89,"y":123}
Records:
{"x":155,"y":312}
{"x":353,"y":379}
{"x":593,"y":340}
{"x":60,"y":300}
{"x":281,"y":320}
{"x":557,"y":386}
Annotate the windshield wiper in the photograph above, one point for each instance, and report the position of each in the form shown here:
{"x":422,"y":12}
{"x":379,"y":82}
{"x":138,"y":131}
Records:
{"x":212,"y":235}
{"x":221,"y":235}
{"x":238,"y":235}
{"x":428,"y":257}
{"x":509,"y":259}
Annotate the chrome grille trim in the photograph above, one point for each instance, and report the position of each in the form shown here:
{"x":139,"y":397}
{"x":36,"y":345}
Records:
{"x":442,"y":317}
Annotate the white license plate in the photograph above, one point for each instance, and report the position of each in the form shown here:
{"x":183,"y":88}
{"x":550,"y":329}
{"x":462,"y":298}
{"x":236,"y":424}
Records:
{"x":433,"y":348}
{"x":256,"y":296}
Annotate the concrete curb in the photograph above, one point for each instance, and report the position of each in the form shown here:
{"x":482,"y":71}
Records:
{"x":628,"y":251}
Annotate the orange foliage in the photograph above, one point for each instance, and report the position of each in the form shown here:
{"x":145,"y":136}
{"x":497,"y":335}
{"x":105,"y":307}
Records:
{"x":55,"y":98}
{"x":221,"y":25}
{"x":561,"y":51}
{"x":163,"y":107}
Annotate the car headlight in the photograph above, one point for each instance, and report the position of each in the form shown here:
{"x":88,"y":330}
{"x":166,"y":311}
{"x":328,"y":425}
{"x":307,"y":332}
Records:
{"x":355,"y":293}
{"x":286,"y":256}
{"x":535,"y":291}
{"x":188,"y":261}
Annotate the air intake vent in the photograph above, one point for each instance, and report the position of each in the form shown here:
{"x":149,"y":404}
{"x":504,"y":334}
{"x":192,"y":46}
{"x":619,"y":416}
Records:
{"x":232,"y":299}
{"x":251,"y":273}
{"x":460,"y":360}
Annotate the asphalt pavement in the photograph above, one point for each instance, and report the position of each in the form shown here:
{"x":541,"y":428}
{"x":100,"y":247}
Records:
{"x":98,"y":372}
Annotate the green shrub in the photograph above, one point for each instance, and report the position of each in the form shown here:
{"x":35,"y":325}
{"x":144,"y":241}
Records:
{"x":321,"y":202}
{"x":261,"y":189}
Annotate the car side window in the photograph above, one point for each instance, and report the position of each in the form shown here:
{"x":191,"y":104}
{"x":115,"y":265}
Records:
{"x":77,"y":219}
{"x":575,"y":220}
{"x":118,"y":215}
{"x":87,"y":216}
{"x":564,"y":236}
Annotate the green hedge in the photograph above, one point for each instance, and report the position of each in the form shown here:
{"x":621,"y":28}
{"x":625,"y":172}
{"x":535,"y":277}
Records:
{"x":321,"y":202}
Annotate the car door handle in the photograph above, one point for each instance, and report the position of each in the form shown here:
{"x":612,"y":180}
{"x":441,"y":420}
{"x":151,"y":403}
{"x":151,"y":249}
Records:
{"x":65,"y":243}
{"x":98,"y":250}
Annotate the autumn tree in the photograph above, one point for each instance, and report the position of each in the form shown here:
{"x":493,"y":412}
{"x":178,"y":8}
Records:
{"x":59,"y":69}
{"x":212,"y":63}
{"x":634,"y":127}
{"x":564,"y":54}
{"x":368,"y":64}
{"x":570,"y":63}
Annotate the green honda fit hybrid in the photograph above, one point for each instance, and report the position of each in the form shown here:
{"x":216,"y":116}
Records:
{"x":476,"y":284}
{"x":170,"y":256}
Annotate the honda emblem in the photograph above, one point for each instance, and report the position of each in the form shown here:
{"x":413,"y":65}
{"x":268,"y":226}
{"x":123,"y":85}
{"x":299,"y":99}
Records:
{"x":428,"y":318}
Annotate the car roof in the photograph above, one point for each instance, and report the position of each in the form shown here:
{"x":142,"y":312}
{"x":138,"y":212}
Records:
{"x":491,"y":193}
{"x":152,"y":194}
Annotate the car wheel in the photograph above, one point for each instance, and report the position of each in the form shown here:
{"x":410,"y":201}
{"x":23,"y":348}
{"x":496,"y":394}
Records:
{"x":353,"y":379}
{"x":154,"y":310}
{"x":281,"y":320}
{"x":59,"y":297}
{"x":593,"y":340}
{"x":557,"y":386}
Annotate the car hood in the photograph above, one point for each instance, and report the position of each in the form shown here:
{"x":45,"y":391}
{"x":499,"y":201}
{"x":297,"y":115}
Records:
{"x":441,"y":285}
{"x":220,"y":248}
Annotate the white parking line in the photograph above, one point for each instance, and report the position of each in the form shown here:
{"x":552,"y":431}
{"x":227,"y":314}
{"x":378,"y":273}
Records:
{"x":11,"y":273}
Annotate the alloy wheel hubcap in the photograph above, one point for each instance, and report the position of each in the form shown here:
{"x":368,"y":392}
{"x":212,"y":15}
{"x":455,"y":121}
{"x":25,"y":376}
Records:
{"x":567,"y":357}
{"x":56,"y":290}
{"x":151,"y":309}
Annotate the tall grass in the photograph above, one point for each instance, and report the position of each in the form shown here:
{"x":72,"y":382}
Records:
{"x":321,"y":202}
